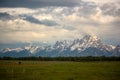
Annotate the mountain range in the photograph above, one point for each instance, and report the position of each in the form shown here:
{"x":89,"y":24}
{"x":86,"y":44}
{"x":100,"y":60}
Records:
{"x":89,"y":45}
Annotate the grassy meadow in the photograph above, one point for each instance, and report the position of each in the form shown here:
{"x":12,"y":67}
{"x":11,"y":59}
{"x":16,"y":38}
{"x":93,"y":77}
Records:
{"x":58,"y":70}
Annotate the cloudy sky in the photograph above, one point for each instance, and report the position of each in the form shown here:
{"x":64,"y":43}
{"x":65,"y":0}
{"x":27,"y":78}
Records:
{"x":46,"y":21}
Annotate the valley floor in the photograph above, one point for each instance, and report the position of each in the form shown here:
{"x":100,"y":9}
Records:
{"x":57,"y":70}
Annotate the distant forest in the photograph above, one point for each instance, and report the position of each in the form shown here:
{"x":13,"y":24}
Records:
{"x":77,"y":59}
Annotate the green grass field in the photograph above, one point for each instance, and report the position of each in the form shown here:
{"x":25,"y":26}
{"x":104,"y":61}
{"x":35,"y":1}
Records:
{"x":56,"y":70}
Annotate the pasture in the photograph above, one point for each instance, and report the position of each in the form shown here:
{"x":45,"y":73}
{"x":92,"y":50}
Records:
{"x":59,"y":70}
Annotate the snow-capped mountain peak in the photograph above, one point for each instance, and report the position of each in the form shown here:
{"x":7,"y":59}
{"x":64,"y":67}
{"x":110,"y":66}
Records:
{"x":85,"y":42}
{"x":6,"y":50}
{"x":31,"y":48}
{"x":64,"y":43}
{"x":90,"y":38}
{"x":89,"y":45}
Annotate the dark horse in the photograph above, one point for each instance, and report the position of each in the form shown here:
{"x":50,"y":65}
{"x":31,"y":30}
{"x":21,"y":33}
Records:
{"x":19,"y":62}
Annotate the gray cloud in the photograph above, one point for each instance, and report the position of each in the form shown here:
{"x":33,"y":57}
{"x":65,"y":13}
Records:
{"x":69,"y":28}
{"x":5,"y":16}
{"x":36,"y":21}
{"x":30,"y":19}
{"x":88,"y":9}
{"x":112,"y":9}
{"x":115,"y":24}
{"x":38,"y":3}
{"x":49,"y":22}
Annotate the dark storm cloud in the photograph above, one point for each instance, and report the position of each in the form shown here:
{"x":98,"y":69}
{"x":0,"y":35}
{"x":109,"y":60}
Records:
{"x":31,"y":19}
{"x":5,"y":16}
{"x":38,"y":3}
{"x":36,"y":21}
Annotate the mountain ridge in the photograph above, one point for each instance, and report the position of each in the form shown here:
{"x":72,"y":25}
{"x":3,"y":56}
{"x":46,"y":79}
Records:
{"x":89,"y":45}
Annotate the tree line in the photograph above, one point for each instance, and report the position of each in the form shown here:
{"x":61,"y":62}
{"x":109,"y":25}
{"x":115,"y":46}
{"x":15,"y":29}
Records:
{"x":88,"y":58}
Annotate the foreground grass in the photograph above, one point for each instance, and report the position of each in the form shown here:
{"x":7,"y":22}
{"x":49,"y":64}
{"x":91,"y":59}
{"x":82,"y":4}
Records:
{"x":53,"y":70}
